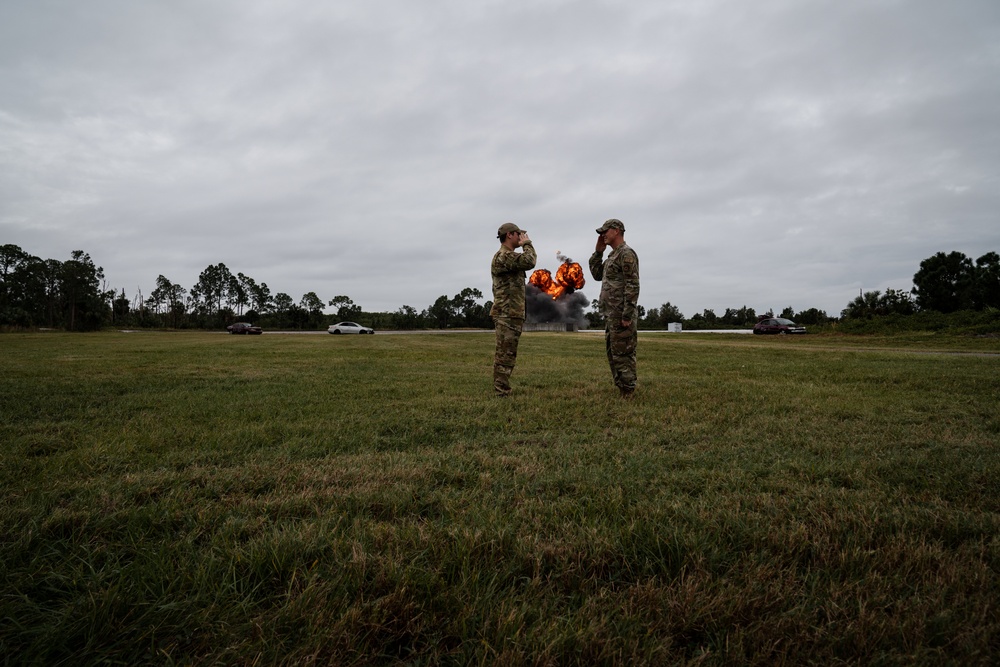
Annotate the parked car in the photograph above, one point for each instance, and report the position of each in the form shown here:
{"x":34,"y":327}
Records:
{"x":349,"y":328}
{"x":777,"y":325}
{"x":244,"y":328}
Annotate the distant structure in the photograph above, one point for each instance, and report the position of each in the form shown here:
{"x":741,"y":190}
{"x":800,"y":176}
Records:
{"x":551,"y":326}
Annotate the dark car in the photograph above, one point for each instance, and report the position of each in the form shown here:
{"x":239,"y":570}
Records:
{"x":244,"y":328}
{"x":777,"y":325}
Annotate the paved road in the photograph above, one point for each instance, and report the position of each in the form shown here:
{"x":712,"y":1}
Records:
{"x":380,"y":332}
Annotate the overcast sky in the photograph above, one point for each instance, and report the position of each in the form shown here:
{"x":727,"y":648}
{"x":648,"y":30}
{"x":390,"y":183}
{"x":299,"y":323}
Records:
{"x":769,"y":153}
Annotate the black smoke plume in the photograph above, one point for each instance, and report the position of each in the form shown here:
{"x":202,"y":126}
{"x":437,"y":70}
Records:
{"x":540,"y":308}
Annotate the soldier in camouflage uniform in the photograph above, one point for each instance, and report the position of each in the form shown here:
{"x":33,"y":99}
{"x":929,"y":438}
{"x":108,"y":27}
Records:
{"x":619,"y":276}
{"x":508,"y":269}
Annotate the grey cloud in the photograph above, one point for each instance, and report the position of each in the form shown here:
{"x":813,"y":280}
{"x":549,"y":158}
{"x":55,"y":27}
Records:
{"x":305,"y":144}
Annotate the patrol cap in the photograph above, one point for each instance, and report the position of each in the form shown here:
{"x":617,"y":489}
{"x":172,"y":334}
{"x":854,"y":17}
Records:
{"x":613,"y":223}
{"x":506,"y":228}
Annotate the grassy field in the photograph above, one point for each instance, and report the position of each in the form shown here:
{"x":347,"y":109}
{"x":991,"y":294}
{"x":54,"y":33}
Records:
{"x":202,"y":498}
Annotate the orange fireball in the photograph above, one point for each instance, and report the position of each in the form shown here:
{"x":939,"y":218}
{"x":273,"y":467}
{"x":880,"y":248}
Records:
{"x":542,"y":279}
{"x":568,"y":279}
{"x":570,"y":274}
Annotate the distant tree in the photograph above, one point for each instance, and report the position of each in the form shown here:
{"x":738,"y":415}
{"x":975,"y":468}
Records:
{"x":346,"y":308}
{"x":260,"y":297}
{"x":709,"y":316}
{"x":12,"y":258}
{"x":875,"y":304}
{"x":406,"y":317}
{"x":297,"y":317}
{"x":175,"y":304}
{"x":739,"y":316}
{"x":594,"y":316}
{"x":283,"y":315}
{"x":788,"y":313}
{"x":156,"y":299}
{"x":167,"y":301}
{"x":31,"y":292}
{"x":120,"y":309}
{"x":44,"y":283}
{"x":282,"y":303}
{"x":313,"y":305}
{"x":863,"y":306}
{"x":897,"y":302}
{"x":466,"y":309}
{"x":668,"y":313}
{"x":15,"y":308}
{"x":654,"y":318}
{"x":987,"y":289}
{"x":212,"y":289}
{"x":237,"y":294}
{"x":945,"y":283}
{"x":82,"y":299}
{"x":811,"y":316}
{"x":442,"y":312}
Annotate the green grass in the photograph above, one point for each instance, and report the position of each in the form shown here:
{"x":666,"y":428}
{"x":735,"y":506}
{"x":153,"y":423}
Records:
{"x":211,"y":499}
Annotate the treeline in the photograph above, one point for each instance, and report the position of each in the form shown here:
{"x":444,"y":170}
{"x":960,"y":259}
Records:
{"x":945,"y":283}
{"x":731,"y":318}
{"x":950,"y":292}
{"x":946,"y":288}
{"x":39,"y":293}
{"x":73,"y":295}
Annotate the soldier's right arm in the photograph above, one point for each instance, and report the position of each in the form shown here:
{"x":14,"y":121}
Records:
{"x":528,"y":257}
{"x":506,"y":262}
{"x":597,"y":266}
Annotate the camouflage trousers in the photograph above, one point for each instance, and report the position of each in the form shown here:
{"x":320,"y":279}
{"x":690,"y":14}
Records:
{"x":508,"y":334}
{"x":620,"y":343}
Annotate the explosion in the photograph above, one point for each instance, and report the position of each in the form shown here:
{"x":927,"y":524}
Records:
{"x":568,"y":278}
{"x":554,"y":299}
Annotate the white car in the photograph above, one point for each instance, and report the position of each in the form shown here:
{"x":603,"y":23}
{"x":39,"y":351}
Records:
{"x":349,"y":327}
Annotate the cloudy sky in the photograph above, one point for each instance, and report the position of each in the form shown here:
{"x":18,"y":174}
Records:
{"x":769,"y":153}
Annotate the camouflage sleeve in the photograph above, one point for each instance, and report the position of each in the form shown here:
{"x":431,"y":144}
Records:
{"x":597,"y":266}
{"x":506,"y":262}
{"x":630,"y":272}
{"x":528,"y":257}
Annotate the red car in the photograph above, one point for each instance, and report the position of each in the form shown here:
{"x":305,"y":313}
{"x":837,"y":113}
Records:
{"x":777,"y":325}
{"x":244,"y":328}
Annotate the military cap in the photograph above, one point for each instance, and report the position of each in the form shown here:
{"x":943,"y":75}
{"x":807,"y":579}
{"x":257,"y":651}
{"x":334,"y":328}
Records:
{"x":506,"y":228}
{"x":613,"y":223}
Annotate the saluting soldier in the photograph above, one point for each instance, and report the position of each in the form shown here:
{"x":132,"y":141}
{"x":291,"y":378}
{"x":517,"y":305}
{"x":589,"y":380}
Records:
{"x":508,"y":269}
{"x":619,"y":276}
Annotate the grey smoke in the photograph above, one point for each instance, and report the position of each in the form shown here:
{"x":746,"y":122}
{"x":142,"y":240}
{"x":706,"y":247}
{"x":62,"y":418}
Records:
{"x":540,"y":308}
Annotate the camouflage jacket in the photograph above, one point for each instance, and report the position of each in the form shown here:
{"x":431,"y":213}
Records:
{"x":508,"y":269}
{"x":619,"y":276}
